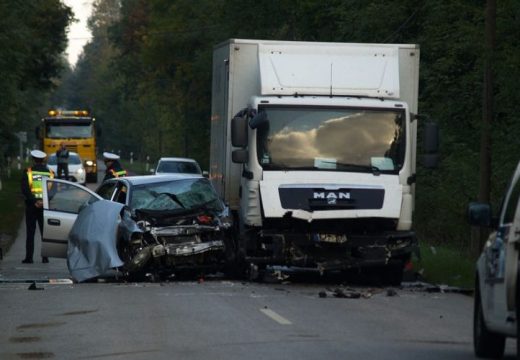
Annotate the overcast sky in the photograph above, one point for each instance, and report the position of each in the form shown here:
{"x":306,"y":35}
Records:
{"x":78,"y":33}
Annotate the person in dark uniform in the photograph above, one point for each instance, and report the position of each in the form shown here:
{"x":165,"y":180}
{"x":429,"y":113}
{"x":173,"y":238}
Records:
{"x":114,"y":168}
{"x":62,"y":158}
{"x":33,"y":193}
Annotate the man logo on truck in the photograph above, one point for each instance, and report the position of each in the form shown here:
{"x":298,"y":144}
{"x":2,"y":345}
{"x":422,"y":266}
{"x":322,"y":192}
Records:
{"x":331,"y":197}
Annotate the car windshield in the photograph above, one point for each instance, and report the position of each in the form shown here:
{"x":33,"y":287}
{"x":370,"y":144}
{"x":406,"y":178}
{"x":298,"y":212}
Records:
{"x":73,"y":159}
{"x":189,"y":194}
{"x":174,"y":166}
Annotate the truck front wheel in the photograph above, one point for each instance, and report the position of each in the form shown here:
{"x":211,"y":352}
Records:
{"x":393,"y":274}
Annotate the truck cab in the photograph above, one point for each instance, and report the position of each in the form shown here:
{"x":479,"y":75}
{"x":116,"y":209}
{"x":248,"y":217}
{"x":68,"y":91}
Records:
{"x":314,"y":147}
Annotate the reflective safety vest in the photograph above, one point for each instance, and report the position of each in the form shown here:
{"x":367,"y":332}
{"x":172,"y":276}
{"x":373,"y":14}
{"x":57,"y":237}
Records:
{"x":35,"y":181}
{"x":119,"y":173}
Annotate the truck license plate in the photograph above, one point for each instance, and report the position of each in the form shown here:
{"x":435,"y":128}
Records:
{"x":332,"y":238}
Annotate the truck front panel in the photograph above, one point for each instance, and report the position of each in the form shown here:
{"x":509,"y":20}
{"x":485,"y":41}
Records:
{"x":327,"y":195}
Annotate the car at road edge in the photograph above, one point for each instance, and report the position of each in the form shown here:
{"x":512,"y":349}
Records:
{"x":497,"y":290}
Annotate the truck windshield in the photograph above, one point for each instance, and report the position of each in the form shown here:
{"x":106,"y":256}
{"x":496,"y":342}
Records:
{"x":68,"y":130}
{"x":334,"y":139}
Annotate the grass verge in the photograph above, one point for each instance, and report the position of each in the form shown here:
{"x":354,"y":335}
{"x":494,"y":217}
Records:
{"x":444,"y":265}
{"x":11,"y":208}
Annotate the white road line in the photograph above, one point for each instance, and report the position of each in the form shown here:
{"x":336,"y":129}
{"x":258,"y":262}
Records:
{"x":278,"y":318}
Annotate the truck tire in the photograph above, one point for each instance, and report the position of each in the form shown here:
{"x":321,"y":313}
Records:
{"x":393,"y":274}
{"x":486,"y":344}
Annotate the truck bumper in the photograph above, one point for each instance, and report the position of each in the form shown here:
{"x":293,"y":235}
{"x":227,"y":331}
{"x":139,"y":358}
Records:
{"x":331,"y":252}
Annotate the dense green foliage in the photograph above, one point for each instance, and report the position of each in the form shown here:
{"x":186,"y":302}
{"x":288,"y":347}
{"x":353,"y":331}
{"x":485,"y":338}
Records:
{"x":32,"y":38}
{"x":147,"y":76}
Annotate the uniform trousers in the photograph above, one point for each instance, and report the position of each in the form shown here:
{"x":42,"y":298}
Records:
{"x":33,"y":215}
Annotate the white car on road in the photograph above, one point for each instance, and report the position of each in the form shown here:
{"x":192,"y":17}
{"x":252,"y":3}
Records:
{"x":497,"y":292}
{"x":177,"y":165}
{"x":76,"y":169}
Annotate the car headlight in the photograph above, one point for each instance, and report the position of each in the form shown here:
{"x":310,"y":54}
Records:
{"x":81,"y":171}
{"x":89,"y":162}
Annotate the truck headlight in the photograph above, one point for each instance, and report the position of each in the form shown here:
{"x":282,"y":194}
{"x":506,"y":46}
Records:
{"x":89,"y":162}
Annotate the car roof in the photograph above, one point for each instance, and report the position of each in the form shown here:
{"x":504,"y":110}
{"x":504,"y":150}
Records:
{"x":150,"y":179}
{"x":70,"y":152}
{"x":177,"y":159}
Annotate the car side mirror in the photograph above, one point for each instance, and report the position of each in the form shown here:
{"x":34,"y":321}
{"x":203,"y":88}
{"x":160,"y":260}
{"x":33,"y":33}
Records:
{"x":205,"y":173}
{"x":479,"y":214}
{"x":152,"y":171}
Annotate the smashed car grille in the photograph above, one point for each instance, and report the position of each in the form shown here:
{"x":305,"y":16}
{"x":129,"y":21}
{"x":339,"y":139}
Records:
{"x":186,"y":249}
{"x":165,"y":240}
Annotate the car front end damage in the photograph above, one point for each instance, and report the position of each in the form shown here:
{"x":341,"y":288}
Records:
{"x":164,"y":242}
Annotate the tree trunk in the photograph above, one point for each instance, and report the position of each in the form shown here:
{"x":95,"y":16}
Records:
{"x":487,"y":116}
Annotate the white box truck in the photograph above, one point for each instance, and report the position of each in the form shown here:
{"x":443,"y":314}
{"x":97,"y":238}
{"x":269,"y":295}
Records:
{"x":313,"y":146}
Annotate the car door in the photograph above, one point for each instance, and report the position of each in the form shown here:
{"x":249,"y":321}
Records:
{"x":62,"y":202}
{"x":497,"y":252}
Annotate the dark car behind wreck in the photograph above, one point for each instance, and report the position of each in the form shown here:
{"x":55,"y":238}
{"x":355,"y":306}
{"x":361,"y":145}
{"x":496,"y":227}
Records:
{"x":155,"y":225}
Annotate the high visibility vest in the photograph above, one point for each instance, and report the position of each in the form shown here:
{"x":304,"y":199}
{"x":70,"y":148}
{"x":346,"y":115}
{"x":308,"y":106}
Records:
{"x":119,"y":173}
{"x":35,"y":181}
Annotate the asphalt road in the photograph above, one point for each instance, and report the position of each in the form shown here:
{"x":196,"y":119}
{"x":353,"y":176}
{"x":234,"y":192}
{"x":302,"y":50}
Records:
{"x":216,"y":318}
{"x":222,"y":319}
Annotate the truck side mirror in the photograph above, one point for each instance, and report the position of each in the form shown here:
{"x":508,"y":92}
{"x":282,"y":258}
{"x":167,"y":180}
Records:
{"x":431,"y":145}
{"x":479,"y":214}
{"x":239,"y":131}
{"x":240,"y":156}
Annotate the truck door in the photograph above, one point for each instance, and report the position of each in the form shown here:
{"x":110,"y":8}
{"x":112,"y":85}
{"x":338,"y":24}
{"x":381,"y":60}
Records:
{"x":62,"y":201}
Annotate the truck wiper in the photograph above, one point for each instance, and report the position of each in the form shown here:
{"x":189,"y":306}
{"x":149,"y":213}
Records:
{"x":374,"y":169}
{"x":289,"y":168}
{"x":302,"y":168}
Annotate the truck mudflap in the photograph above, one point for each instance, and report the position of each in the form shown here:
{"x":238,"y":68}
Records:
{"x":328,"y":252}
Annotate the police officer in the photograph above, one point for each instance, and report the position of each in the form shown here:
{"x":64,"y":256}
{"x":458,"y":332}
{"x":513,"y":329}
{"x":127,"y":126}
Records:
{"x":32,"y":191}
{"x":114,"y":168}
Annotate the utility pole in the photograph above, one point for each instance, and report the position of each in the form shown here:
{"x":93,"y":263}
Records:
{"x":487,"y":113}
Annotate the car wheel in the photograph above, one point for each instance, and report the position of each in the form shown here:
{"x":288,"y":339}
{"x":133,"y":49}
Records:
{"x":487,"y":344}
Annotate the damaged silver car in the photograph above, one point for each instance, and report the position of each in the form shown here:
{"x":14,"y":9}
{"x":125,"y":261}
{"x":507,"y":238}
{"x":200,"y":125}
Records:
{"x":140,"y":225}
